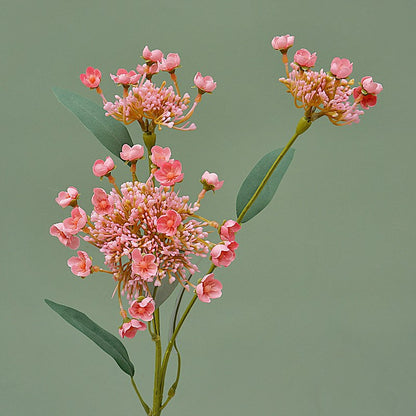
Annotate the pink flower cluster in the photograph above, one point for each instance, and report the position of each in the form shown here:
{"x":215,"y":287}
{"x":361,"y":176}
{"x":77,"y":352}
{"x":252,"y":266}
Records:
{"x":147,"y":233}
{"x":152,"y":106}
{"x":322,"y":93}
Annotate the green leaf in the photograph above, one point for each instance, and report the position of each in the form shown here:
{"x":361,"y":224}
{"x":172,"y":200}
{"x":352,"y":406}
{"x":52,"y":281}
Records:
{"x":106,"y":341}
{"x":163,"y":291}
{"x":110,"y":132}
{"x":254,"y":179}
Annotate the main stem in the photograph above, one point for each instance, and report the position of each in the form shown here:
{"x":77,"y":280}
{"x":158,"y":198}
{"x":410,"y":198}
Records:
{"x":157,"y":392}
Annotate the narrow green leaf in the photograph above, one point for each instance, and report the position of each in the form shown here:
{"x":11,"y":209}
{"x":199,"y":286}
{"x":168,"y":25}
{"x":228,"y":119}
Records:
{"x":162,"y":292}
{"x":254,"y":179}
{"x":106,"y":341}
{"x":110,"y":132}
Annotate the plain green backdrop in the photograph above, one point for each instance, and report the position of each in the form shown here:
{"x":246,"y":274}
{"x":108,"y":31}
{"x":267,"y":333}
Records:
{"x":318,"y":314}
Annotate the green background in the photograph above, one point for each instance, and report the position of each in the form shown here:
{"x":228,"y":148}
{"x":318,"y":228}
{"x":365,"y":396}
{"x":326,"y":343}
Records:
{"x":317,"y":316}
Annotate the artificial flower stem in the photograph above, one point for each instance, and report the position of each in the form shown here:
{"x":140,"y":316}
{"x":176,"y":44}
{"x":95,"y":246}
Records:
{"x":302,"y":126}
{"x":157,"y":393}
{"x":145,"y":406}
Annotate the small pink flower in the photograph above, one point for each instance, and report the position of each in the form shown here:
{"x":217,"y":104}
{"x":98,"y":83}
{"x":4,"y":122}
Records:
{"x":67,"y":198}
{"x":144,"y":266}
{"x":171,"y":62}
{"x":143,"y":310}
{"x":125,"y":78}
{"x":283,"y":43}
{"x":132,"y":153}
{"x":169,"y":173}
{"x":341,"y":68}
{"x":223,"y":254}
{"x":101,"y":202}
{"x":154,"y":56}
{"x":370,"y":86}
{"x":304,"y":58}
{"x":228,"y":230}
{"x":68,"y":240}
{"x":76,"y":222}
{"x":209,"y":288}
{"x":91,"y":78}
{"x":169,"y":223}
{"x":211,"y":181}
{"x":81,"y":265}
{"x":102,"y":168}
{"x":129,"y":329}
{"x":145,"y":69}
{"x":204,"y":84}
{"x":160,"y":155}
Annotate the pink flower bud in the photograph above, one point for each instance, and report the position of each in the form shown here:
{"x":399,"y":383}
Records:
{"x":65,"y":199}
{"x":81,"y":265}
{"x":91,"y":78}
{"x":160,"y":155}
{"x":154,"y":56}
{"x":170,"y":173}
{"x":304,"y":58}
{"x":370,"y":86}
{"x":204,"y":84}
{"x":143,"y":310}
{"x":129,"y":329}
{"x":283,"y":43}
{"x":68,"y":240}
{"x":171,"y":62}
{"x":132,"y":153}
{"x":102,"y":168}
{"x":169,"y":223}
{"x":144,"y":266}
{"x":341,"y":68}
{"x":223,"y":254}
{"x":209,"y":288}
{"x":228,"y":230}
{"x":125,"y":78}
{"x":211,"y":181}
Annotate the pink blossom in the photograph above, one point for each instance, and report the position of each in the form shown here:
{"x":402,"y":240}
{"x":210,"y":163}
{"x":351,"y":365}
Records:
{"x":171,"y":62}
{"x":304,"y":58}
{"x":169,"y":173}
{"x":129,"y":329}
{"x":204,"y":84}
{"x":91,"y":78}
{"x":211,"y":181}
{"x":101,"y":202}
{"x":341,"y":68}
{"x":143,"y":310}
{"x":146,"y":69}
{"x":228,"y":230}
{"x":144,"y":266}
{"x":283,"y":43}
{"x":223,"y":254}
{"x":68,"y":240}
{"x":160,"y":155}
{"x":168,"y":223}
{"x":366,"y":100}
{"x":67,"y":198}
{"x":132,"y":153}
{"x":76,"y":222}
{"x":209,"y":288}
{"x":154,"y":56}
{"x":125,"y":78}
{"x":81,"y":265}
{"x":102,"y":168}
{"x":370,"y":86}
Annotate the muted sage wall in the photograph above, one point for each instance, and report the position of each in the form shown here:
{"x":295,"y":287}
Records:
{"x":317,"y":316}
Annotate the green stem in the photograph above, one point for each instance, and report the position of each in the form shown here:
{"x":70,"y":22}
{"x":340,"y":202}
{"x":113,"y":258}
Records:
{"x":145,"y":406}
{"x":157,"y":393}
{"x":302,"y":126}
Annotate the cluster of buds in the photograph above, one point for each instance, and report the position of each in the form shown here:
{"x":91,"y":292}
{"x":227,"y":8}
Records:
{"x":148,"y":234}
{"x":325,"y":93}
{"x":142,"y":101}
